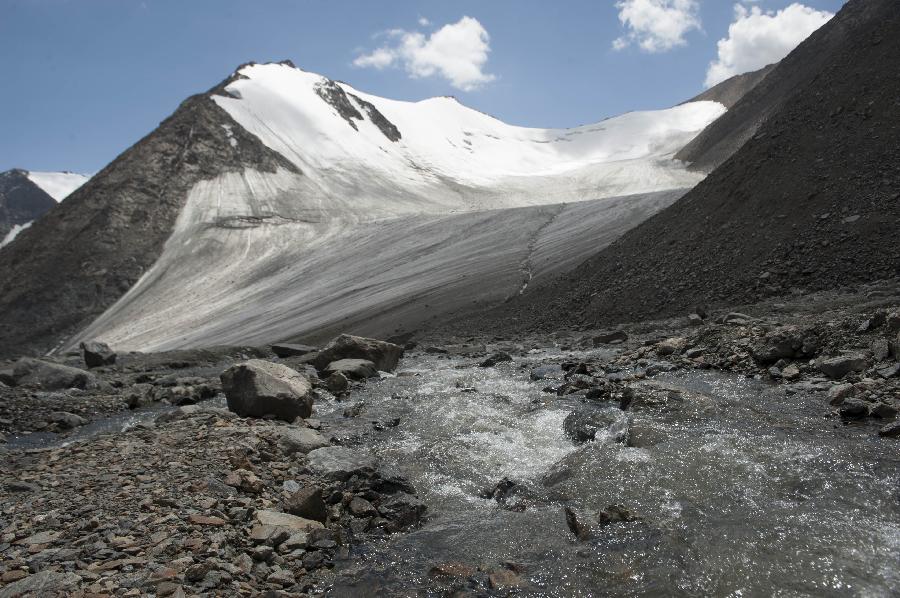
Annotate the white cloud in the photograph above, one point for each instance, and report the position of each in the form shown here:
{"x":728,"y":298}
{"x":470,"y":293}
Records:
{"x":423,"y":22}
{"x":457,"y":52}
{"x":757,"y":38}
{"x":656,"y":25}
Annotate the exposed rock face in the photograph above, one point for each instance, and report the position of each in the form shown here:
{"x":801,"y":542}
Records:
{"x":21,"y":201}
{"x":84,"y":254}
{"x":382,"y":354}
{"x":731,"y":91}
{"x":258,"y":388}
{"x":810,"y":203}
{"x":97,"y":354}
{"x":54,"y":376}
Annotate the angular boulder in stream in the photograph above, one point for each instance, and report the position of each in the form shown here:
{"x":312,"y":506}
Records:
{"x":356,"y":369}
{"x":259,"y":388}
{"x":384,"y":355}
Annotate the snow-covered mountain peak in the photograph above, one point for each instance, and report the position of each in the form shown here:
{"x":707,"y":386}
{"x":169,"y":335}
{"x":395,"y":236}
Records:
{"x":57,"y":185}
{"x":328,"y":128}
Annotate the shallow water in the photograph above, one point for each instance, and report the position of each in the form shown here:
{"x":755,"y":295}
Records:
{"x":742,"y":490}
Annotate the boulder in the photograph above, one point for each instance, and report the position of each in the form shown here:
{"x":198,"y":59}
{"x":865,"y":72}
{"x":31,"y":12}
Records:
{"x":837,"y":394}
{"x":339,"y":462}
{"x":495,"y":359}
{"x":66,"y":420}
{"x":336,"y":382}
{"x":838,"y":367}
{"x":356,"y":369}
{"x":258,"y":388}
{"x":583,"y":424}
{"x":384,"y":355}
{"x":736,"y":319}
{"x":610,"y":337}
{"x":291,"y":350}
{"x":307,"y":503}
{"x":695,"y":320}
{"x":97,"y":354}
{"x":615,"y":514}
{"x":889,"y":371}
{"x":299,"y":440}
{"x":54,"y":376}
{"x":43,"y":583}
{"x":854,"y":409}
{"x":670,"y":346}
{"x":785,"y":342}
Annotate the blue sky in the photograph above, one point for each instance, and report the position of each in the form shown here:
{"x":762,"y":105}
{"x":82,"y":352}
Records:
{"x":85,"y":79}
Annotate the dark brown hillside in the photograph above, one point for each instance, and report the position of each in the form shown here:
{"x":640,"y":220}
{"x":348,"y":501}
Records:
{"x":812,"y":201}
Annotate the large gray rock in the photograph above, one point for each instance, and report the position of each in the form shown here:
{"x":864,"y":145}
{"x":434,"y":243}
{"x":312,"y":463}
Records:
{"x":97,"y":354}
{"x":307,"y":503}
{"x":786,"y":342}
{"x":356,"y":369}
{"x":339,"y":462}
{"x":300,"y":440}
{"x":838,"y":367}
{"x":258,"y":388}
{"x":384,"y":355}
{"x":54,"y":376}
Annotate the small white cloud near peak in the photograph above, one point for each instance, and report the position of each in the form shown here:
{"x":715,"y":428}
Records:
{"x":656,"y":25}
{"x":757,"y":38}
{"x":423,"y":22}
{"x":457,"y":52}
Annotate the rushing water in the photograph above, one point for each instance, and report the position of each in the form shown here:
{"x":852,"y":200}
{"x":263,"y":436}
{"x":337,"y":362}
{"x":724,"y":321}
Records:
{"x":742,"y":491}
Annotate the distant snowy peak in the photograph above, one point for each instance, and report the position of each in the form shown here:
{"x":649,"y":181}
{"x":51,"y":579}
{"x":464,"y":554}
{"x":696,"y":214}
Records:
{"x":321,"y":126}
{"x":58,"y":185}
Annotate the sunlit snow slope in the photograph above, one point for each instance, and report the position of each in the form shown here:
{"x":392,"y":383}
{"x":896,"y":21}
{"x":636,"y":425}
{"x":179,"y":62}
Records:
{"x":401,"y":212}
{"x":58,"y":185}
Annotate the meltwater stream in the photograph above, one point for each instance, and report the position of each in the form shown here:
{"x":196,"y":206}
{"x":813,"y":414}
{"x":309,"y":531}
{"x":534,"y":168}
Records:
{"x":742,"y":491}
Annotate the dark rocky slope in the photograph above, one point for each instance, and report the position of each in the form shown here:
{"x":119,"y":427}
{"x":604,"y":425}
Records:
{"x":21,"y":201}
{"x":812,"y":201}
{"x":807,"y":63}
{"x":729,"y":92}
{"x":81,"y":257}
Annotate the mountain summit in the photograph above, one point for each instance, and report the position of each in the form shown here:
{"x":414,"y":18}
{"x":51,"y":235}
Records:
{"x":281,"y":203}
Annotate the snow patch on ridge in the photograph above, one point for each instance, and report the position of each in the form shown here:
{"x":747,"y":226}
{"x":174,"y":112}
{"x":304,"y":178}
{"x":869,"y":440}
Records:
{"x":13,"y":233}
{"x":58,"y":185}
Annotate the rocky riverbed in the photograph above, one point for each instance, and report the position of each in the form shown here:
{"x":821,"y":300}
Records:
{"x":743,"y":452}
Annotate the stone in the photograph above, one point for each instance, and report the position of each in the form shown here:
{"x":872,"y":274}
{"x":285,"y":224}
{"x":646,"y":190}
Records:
{"x":881,"y":349}
{"x":360,"y":507}
{"x":504,"y":579}
{"x":291,"y":350}
{"x":286,"y":520}
{"x":336,"y":383}
{"x":244,"y":480}
{"x":281,"y":577}
{"x":307,"y":503}
{"x":837,"y":394}
{"x":96,"y":354}
{"x":403,"y":510}
{"x":791,"y":372}
{"x":583,"y":424}
{"x":299,"y":440}
{"x":737,"y":319}
{"x":544,"y":372}
{"x":494,"y":359}
{"x":13,"y":575}
{"x":889,"y":371}
{"x":66,"y":420}
{"x":198,"y":519}
{"x":384,"y":355}
{"x":611,"y":337}
{"x":882,"y":410}
{"x":891,"y":430}
{"x":838,"y":367}
{"x":356,"y":369}
{"x":695,"y":320}
{"x":43,"y":583}
{"x":338,"y":462}
{"x":259,"y":388}
{"x":452,"y":570}
{"x":54,"y":376}
{"x":785,"y":342}
{"x":854,"y":409}
{"x":670,"y":346}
